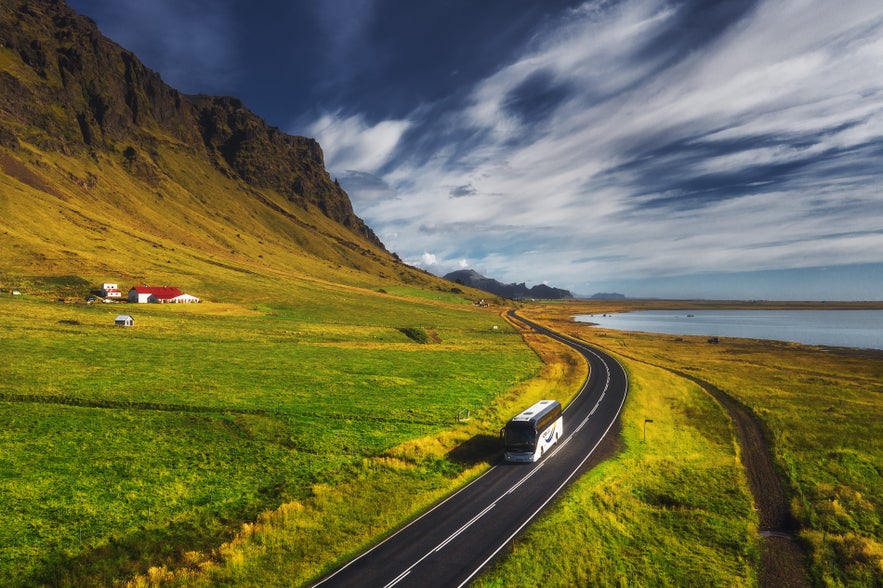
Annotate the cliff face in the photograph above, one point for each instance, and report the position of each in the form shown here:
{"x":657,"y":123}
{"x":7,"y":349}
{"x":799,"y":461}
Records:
{"x":265,"y":157}
{"x":80,"y":90}
{"x":66,"y":88}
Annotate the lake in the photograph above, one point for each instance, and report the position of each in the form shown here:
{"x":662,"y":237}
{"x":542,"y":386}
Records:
{"x":840,"y":328}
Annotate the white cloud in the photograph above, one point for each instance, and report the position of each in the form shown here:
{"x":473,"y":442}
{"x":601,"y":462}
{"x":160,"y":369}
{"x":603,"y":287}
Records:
{"x":783,"y":109}
{"x":350,"y":143}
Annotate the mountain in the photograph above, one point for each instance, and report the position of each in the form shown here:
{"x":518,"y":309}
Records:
{"x":110,"y":174}
{"x":607,"y":296}
{"x":520,"y":291}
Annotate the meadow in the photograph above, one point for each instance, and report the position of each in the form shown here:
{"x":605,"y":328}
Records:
{"x":126,"y":448}
{"x":260,"y":444}
{"x":675,"y":505}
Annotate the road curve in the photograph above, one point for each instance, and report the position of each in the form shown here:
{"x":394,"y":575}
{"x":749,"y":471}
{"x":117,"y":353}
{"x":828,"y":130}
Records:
{"x":453,"y":541}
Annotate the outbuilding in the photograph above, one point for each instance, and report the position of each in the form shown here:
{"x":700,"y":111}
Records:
{"x":124,"y":320}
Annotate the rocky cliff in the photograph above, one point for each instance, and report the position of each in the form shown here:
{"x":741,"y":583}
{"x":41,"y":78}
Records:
{"x":66,"y":88}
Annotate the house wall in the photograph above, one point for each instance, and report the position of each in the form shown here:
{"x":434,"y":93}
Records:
{"x":134,"y":296}
{"x":184,"y":299}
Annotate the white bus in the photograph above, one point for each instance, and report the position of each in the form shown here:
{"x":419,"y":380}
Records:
{"x":527,"y":436}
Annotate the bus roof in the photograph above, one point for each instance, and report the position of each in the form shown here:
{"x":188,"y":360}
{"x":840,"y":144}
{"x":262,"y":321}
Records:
{"x":535,"y":411}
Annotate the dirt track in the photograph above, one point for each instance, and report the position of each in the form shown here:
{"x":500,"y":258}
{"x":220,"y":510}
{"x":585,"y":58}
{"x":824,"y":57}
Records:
{"x":782,"y":560}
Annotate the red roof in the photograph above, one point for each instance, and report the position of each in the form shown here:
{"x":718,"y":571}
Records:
{"x":159,"y":292}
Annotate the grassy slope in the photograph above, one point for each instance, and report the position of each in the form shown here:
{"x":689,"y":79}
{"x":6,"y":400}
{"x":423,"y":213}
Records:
{"x":205,"y":233}
{"x":168,"y":215}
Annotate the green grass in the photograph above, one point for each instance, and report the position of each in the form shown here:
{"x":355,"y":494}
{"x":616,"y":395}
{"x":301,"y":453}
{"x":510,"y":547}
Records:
{"x":823,"y":413}
{"x":125,"y":448}
{"x":258,"y":444}
{"x":672,"y":509}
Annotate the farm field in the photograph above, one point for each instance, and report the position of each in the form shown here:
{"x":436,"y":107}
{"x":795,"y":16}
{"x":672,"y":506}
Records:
{"x":260,"y":444}
{"x":673,"y":505}
{"x":123,"y":449}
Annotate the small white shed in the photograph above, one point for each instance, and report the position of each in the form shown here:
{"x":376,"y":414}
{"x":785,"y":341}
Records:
{"x":124,"y":320}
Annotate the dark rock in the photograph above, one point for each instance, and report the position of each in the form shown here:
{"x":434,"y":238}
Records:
{"x":520,"y":291}
{"x":96,"y":96}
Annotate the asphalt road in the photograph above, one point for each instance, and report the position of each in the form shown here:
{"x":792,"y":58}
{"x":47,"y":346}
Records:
{"x":452,"y":542}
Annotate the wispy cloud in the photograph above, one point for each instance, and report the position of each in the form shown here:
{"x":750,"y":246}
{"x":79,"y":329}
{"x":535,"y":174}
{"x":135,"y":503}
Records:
{"x":355,"y":144}
{"x":623,"y":143}
{"x":580,"y":142}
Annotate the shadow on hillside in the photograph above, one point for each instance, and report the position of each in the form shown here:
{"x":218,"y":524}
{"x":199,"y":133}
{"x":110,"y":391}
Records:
{"x":480,"y":449}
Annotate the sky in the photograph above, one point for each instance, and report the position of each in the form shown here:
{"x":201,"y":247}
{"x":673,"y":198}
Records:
{"x":656,"y":148}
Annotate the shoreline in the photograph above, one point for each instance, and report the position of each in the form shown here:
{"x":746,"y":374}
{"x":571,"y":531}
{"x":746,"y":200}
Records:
{"x":836,"y":332}
{"x":698,"y":304}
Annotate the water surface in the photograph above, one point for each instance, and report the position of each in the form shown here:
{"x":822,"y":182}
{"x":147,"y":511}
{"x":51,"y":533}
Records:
{"x":840,"y":328}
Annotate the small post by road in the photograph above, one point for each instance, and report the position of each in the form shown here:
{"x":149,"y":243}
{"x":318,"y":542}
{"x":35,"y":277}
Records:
{"x":645,"y":427}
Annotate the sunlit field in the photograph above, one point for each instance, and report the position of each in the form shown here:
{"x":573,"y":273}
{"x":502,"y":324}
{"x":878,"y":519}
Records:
{"x":680,"y":492}
{"x":263,"y":444}
{"x":125,"y":448}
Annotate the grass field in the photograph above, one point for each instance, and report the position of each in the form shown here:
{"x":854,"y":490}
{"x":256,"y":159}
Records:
{"x":259,"y":444}
{"x":123,"y":448}
{"x":670,"y":509}
{"x":642,"y":515}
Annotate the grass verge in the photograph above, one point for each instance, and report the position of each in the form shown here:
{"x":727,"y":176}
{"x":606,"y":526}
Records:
{"x":638,"y":518}
{"x":823,"y":414}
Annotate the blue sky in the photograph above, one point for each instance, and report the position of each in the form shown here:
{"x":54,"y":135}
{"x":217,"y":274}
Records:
{"x":677,"y":148}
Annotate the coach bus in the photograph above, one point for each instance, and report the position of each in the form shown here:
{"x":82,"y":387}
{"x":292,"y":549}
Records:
{"x":527,"y":436}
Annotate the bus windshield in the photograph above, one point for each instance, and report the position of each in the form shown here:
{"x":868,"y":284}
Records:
{"x":520,"y":437}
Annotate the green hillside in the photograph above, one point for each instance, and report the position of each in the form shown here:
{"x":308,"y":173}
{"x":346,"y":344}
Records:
{"x":108,"y":174}
{"x":196,"y":228}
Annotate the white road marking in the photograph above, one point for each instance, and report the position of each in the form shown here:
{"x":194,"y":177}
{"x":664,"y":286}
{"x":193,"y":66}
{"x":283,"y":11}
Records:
{"x":456,"y":533}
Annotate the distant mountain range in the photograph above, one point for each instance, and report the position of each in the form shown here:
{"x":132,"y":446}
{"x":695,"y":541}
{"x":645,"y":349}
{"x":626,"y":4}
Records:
{"x":520,"y":291}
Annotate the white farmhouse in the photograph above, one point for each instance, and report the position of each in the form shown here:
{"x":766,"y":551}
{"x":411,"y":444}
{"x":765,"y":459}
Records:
{"x":109,"y":290}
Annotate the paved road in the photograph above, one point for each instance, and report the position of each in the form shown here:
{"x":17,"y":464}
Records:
{"x":451,"y":543}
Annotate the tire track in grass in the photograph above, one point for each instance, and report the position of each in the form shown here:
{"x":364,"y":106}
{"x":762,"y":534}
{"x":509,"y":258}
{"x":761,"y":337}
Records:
{"x":782,"y":560}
